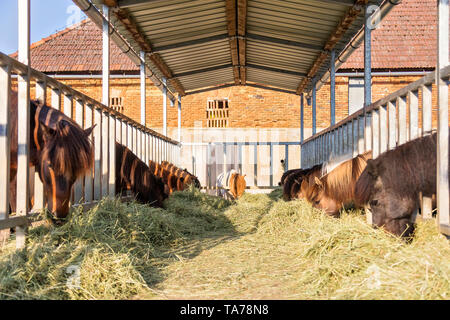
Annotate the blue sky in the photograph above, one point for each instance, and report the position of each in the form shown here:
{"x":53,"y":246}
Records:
{"x":47,"y":17}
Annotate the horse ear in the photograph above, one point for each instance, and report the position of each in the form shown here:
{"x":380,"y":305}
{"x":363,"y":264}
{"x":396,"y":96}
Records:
{"x":88,"y":131}
{"x":48,"y":132}
{"x":318,"y":182}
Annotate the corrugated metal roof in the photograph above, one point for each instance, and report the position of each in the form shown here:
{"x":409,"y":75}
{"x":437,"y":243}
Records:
{"x":193,"y":40}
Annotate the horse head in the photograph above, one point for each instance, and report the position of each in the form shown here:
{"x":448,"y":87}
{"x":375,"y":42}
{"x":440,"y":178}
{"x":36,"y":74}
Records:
{"x":318,"y":197}
{"x":66,"y":155}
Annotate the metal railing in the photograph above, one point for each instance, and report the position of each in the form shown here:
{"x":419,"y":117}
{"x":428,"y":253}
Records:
{"x":382,"y":126}
{"x":259,"y":161}
{"x":111,"y":126}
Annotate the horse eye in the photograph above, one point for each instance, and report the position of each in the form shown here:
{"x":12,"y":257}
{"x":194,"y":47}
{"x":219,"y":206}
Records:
{"x":374,"y":203}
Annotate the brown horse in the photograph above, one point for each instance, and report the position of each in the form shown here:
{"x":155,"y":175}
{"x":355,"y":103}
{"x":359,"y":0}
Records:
{"x":293,"y":180}
{"x":232,"y":184}
{"x":173,"y":179}
{"x":59,"y":149}
{"x":133,"y":174}
{"x":336,"y":189}
{"x":187,"y":176}
{"x":390,"y":185}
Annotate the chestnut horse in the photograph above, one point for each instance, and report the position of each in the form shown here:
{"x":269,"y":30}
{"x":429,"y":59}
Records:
{"x":336,"y":189}
{"x":60,"y":150}
{"x":188,"y":177}
{"x":390,"y":185}
{"x":133,"y":174}
{"x":292,"y":181}
{"x":232,"y":184}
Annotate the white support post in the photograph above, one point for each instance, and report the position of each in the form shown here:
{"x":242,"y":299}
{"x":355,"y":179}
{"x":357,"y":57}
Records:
{"x":97,"y":153}
{"x":23,"y":119}
{"x":105,"y":154}
{"x":392,"y":131}
{"x":39,"y":201}
{"x":143,"y":89}
{"x":413,"y":115}
{"x":106,"y":57}
{"x":78,"y":187}
{"x":427,"y":102}
{"x":383,"y":129}
{"x":5,"y":136}
{"x":88,"y":179}
{"x":402,"y":130}
{"x":333,"y":88}
{"x":164,"y":107}
{"x":112,"y":156}
{"x":443,"y":203}
{"x":68,"y":105}
{"x":56,"y":98}
{"x":179,"y":118}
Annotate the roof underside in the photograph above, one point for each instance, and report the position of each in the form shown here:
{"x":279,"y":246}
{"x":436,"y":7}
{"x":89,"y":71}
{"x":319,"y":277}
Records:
{"x":198,"y":44}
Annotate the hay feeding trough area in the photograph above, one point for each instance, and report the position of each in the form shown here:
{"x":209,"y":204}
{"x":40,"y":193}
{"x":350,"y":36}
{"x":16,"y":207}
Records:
{"x":205,"y":247}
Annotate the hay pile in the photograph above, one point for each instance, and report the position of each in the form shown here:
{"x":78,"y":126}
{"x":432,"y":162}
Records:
{"x":206,"y":247}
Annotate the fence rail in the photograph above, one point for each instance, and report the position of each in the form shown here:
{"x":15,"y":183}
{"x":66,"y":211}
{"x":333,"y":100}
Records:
{"x":260,"y":161}
{"x":382,"y":126}
{"x":111,"y":126}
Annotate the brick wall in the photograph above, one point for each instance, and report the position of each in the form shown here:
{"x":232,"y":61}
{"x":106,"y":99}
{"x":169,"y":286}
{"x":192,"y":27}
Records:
{"x":249,"y":107}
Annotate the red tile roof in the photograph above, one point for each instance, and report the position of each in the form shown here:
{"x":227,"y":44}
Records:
{"x":405,"y":39}
{"x":77,"y":48}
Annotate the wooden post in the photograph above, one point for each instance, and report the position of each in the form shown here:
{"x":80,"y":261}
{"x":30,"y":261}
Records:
{"x":112,"y":156}
{"x":427,"y":206}
{"x":443,"y":203}
{"x":78,"y":187}
{"x":39,"y":201}
{"x":23,"y":119}
{"x":88,"y":179}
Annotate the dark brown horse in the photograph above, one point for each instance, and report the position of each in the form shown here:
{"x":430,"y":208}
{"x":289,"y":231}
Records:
{"x":60,"y":150}
{"x":336,"y":188}
{"x":390,"y":185}
{"x":133,"y":174}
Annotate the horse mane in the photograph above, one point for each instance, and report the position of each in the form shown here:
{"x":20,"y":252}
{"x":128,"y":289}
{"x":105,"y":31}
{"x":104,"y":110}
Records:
{"x":296,"y":176}
{"x":339,"y":184}
{"x":407,"y":169}
{"x":68,"y":148}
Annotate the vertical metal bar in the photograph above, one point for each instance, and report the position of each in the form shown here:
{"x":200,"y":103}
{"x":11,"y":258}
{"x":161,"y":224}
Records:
{"x":271,"y":165}
{"x":314,"y":129}
{"x":143,"y":88}
{"x":402,"y":130}
{"x":255,"y":164}
{"x":112,"y":156}
{"x":105,"y":154}
{"x":375,"y":133}
{"x":97,"y":153}
{"x":427,"y":115}
{"x":332,"y":88}
{"x":56,"y":98}
{"x":78,"y":187}
{"x":5,"y":136}
{"x":179,"y":118}
{"x":39,"y":201}
{"x":302,"y":122}
{"x":106,"y":57}
{"x":23,"y":119}
{"x":68,"y":105}
{"x":88,"y":179}
{"x":355,"y":136}
{"x":383,"y":129}
{"x":164,"y":107}
{"x":361,"y":129}
{"x":286,"y":157}
{"x":443,"y":203}
{"x":413,"y":115}
{"x":392,"y":136}
{"x":119,"y":130}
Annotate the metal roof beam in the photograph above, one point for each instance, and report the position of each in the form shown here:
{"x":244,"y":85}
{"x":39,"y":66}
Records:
{"x":269,"y":88}
{"x":294,"y":73}
{"x":227,"y":85}
{"x":179,"y":45}
{"x":189,"y":73}
{"x":284,"y":42}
